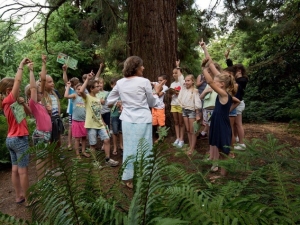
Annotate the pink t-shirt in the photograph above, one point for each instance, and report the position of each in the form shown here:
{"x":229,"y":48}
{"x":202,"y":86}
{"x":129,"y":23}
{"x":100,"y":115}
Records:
{"x":43,"y":119}
{"x":15,"y":129}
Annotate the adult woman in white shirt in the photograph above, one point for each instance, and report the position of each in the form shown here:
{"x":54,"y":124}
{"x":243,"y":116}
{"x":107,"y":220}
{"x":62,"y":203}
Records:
{"x":137,"y":96}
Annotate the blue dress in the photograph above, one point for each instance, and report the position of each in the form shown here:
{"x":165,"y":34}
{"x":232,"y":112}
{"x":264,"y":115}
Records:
{"x":220,"y":129}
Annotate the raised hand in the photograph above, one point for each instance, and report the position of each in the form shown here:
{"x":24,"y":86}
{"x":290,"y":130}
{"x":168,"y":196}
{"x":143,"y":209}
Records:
{"x":44,"y":58}
{"x":25,"y":61}
{"x":89,"y":76}
{"x":30,"y":66}
{"x":202,"y":43}
{"x":158,"y":87}
{"x":65,"y":67}
{"x":177,"y":63}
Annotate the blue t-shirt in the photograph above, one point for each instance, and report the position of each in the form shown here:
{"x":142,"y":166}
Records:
{"x":70,"y":102}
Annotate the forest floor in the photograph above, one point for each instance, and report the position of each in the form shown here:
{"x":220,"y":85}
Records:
{"x":281,"y":131}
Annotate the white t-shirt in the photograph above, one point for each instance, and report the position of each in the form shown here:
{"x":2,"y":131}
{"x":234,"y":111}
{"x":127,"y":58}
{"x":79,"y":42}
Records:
{"x":174,"y":85}
{"x":161,"y":104}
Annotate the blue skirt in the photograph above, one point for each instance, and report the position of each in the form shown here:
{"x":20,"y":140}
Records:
{"x":132,"y":133}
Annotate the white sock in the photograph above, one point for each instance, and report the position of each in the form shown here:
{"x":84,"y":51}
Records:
{"x":203,"y":132}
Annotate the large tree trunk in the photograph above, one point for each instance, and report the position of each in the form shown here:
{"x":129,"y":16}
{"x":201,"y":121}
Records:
{"x":152,"y":34}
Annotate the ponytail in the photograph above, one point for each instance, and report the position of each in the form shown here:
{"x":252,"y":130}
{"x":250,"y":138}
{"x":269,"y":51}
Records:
{"x":230,"y":84}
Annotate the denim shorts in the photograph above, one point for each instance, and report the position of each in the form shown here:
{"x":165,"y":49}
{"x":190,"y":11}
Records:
{"x":240,"y":108}
{"x":17,"y":146}
{"x":233,"y":112}
{"x":116,"y":125}
{"x":189,"y":113}
{"x":93,"y":133}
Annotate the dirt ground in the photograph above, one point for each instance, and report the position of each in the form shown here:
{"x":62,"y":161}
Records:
{"x":7,"y":197}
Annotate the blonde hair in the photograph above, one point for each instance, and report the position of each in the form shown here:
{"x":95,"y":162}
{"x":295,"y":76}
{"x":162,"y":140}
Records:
{"x":47,"y":99}
{"x":7,"y":82}
{"x":229,"y":82}
{"x":192,"y":78}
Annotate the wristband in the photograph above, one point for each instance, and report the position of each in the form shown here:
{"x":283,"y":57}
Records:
{"x":20,"y":68}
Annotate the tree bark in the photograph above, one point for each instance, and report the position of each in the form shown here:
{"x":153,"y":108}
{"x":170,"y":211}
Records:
{"x":152,"y":35}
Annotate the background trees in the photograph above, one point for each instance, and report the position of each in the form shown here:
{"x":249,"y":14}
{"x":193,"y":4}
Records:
{"x":263,"y":35}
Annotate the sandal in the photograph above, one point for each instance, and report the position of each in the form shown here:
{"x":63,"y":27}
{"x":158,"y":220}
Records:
{"x":115,"y":152}
{"x":21,"y":201}
{"x":78,"y":157}
{"x":129,"y":185}
{"x":70,"y":148}
{"x":86,"y":155}
{"x":190,"y":152}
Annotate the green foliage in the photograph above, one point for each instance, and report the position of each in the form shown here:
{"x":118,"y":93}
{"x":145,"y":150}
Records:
{"x":4,"y":153}
{"x":263,"y":190}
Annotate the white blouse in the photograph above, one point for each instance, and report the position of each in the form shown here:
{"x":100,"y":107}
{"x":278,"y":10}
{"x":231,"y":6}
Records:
{"x":136,"y":96}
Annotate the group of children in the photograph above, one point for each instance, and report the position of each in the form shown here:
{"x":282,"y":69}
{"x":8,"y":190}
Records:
{"x":91,"y":117}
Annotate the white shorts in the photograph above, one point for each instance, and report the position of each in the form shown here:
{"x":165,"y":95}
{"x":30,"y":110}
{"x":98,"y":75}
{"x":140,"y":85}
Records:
{"x":240,"y":108}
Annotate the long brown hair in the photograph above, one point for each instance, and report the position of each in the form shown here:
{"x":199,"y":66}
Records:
{"x":7,"y":82}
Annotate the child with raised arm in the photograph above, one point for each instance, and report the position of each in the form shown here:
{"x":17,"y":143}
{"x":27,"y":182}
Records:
{"x":176,"y":109}
{"x":93,"y":120}
{"x":190,"y":102}
{"x":74,"y":81}
{"x":42,"y":133}
{"x":17,"y":135}
{"x":208,"y":97}
{"x":158,"y":112}
{"x":220,"y":129}
{"x":79,"y":132}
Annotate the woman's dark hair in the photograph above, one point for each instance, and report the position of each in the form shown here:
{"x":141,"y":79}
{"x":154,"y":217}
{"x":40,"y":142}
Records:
{"x":241,"y":68}
{"x":131,"y":65}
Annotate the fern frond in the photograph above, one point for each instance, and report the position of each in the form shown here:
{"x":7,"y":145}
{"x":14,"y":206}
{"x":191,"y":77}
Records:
{"x":149,"y":185}
{"x":10,"y":220}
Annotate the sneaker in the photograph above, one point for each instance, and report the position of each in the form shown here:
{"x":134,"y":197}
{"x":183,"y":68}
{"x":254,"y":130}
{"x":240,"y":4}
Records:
{"x":202,"y":136}
{"x":112,"y":163}
{"x":176,"y":142}
{"x":240,"y":147}
{"x":180,"y":144}
{"x":237,"y":139}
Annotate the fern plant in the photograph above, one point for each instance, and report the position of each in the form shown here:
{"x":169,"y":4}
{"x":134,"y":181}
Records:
{"x":262,"y":188}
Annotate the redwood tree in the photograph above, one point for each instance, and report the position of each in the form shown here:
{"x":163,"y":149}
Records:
{"x":152,"y":35}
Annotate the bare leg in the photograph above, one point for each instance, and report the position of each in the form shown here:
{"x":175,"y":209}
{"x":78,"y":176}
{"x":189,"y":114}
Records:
{"x":70,"y":137}
{"x":223,"y":170}
{"x":76,"y":146}
{"x":176,"y":123}
{"x":239,"y":127}
{"x":15,"y":178}
{"x":106,"y":145}
{"x":121,"y":140}
{"x":181,"y":126}
{"x":193,"y":137}
{"x":187,"y":127}
{"x":83,"y":145}
{"x":115,"y":145}
{"x":232,"y":119}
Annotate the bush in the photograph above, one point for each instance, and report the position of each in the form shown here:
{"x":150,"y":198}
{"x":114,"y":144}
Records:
{"x":4,"y":153}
